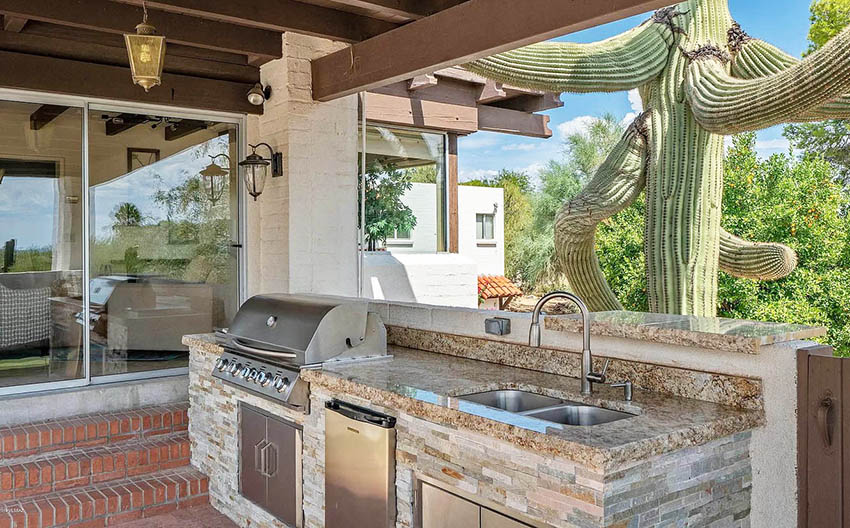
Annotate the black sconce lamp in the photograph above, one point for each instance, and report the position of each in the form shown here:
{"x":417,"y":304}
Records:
{"x":255,"y":168}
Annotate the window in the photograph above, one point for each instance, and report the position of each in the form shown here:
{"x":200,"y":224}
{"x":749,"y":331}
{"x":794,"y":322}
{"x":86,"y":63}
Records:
{"x":484,"y":226}
{"x":401,"y":234}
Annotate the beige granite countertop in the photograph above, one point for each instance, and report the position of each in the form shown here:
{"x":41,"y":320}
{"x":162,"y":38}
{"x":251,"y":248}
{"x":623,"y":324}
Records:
{"x":426,"y":385}
{"x":717,"y":333}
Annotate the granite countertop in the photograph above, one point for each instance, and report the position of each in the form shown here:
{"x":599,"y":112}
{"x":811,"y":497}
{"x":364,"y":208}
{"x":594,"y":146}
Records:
{"x":717,"y":333}
{"x":426,"y":385}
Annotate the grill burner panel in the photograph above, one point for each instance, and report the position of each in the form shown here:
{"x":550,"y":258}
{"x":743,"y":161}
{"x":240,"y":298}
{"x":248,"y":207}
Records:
{"x":264,"y":378}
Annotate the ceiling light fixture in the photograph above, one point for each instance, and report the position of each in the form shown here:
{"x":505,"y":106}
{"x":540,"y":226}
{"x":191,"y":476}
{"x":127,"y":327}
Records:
{"x":255,"y":168}
{"x":147,"y":53}
{"x":259,"y":95}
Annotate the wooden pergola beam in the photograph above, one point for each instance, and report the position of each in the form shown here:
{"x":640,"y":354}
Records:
{"x":405,"y":8}
{"x":49,"y":74}
{"x":507,"y":121}
{"x":44,"y":115}
{"x":183,"y":128}
{"x":113,"y":17}
{"x":467,"y":31}
{"x":117,"y":56}
{"x":279,"y":15}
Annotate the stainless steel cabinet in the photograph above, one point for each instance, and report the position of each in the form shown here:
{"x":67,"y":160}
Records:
{"x":270,"y":464}
{"x":491,"y":519}
{"x":441,"y":509}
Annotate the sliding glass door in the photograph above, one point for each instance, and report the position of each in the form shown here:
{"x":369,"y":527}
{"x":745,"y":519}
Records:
{"x":139,"y":212}
{"x":41,"y":238}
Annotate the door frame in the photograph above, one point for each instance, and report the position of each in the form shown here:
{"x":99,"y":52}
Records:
{"x":88,"y":104}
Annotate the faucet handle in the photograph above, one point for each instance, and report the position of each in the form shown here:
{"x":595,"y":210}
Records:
{"x":599,"y":377}
{"x":605,"y":368}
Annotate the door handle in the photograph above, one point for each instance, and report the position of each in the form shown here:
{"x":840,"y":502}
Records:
{"x":269,"y":460}
{"x":260,"y":456}
{"x":825,"y":407}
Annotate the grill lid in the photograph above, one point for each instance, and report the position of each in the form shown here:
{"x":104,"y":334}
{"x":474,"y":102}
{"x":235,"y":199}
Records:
{"x":298,"y":328}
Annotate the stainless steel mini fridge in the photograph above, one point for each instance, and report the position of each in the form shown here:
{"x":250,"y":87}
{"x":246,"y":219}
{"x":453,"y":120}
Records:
{"x":359,"y":467}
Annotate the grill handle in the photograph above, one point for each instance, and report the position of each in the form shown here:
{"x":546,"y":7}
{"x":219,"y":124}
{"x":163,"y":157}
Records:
{"x":261,"y":351}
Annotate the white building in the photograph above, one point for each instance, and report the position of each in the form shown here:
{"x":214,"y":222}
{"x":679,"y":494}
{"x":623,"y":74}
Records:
{"x":411,"y":269}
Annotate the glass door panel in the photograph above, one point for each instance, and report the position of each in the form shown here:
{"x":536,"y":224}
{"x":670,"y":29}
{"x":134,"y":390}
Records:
{"x":163,"y":224}
{"x":41,"y":243}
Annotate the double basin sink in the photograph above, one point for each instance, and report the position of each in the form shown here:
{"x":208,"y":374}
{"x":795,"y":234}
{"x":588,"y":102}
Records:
{"x":546,"y":408}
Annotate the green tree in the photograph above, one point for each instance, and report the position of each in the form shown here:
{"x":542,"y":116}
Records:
{"x":126,"y":214}
{"x":828,"y":18}
{"x":385,"y":212}
{"x":796,"y":202}
{"x":423,"y":174}
{"x":588,"y":149}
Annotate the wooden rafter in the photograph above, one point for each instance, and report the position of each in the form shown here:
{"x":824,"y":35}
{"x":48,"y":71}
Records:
{"x":49,"y":74}
{"x":183,"y":128}
{"x":123,"y":122}
{"x":14,"y":24}
{"x":114,"y":17}
{"x":279,"y":16}
{"x":412,"y":9}
{"x":470,"y":30}
{"x":44,"y":115}
{"x":513,"y":122}
{"x":116,"y":55}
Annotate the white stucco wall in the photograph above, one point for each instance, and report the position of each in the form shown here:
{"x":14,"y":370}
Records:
{"x":443,"y":279}
{"x":488,"y":254}
{"x":302,"y":231}
{"x":422,"y":200}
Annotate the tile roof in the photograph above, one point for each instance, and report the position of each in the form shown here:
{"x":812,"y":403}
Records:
{"x":496,"y":286}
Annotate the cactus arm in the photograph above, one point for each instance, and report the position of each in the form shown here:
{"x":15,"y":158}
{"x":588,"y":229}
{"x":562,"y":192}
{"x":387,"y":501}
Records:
{"x":616,"y":184}
{"x":724,"y":104}
{"x":619,"y":63}
{"x":755,"y":58}
{"x":755,"y":260}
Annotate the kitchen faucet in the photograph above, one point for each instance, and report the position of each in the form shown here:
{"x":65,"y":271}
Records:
{"x":588,"y":377}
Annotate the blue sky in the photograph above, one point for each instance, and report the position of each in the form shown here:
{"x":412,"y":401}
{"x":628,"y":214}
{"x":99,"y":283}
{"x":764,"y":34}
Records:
{"x":784,"y":23}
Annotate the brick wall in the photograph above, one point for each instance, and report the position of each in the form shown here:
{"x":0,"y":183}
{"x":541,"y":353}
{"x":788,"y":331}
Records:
{"x":302,"y":231}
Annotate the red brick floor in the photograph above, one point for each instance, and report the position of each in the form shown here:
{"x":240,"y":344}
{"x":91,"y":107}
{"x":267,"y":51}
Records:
{"x":196,"y":517}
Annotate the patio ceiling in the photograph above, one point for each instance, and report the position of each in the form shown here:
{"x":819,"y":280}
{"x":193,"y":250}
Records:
{"x":216,"y":46}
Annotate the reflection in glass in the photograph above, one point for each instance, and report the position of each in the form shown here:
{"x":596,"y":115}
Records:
{"x":162,"y":261}
{"x":406,"y":200}
{"x":41,"y":243}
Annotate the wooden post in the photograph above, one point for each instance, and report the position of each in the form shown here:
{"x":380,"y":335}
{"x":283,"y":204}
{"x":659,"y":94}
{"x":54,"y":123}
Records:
{"x":452,"y":187}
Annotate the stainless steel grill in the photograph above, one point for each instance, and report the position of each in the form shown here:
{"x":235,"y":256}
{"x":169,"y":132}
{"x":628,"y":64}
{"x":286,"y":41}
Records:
{"x":273,"y":337}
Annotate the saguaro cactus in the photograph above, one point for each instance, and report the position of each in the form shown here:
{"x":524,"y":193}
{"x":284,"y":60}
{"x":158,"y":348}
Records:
{"x":700,"y":77}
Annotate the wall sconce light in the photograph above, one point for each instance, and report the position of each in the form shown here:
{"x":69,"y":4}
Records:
{"x":259,"y":95}
{"x":255,"y":168}
{"x":214,"y":178}
{"x":147,"y":53}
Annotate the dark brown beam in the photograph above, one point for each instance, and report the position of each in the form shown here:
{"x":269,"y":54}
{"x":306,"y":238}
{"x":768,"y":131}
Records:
{"x":468,"y":31}
{"x":117,"y":56}
{"x":183,"y":128}
{"x":47,"y":74}
{"x":405,"y":8}
{"x":531,"y":103}
{"x":123,"y":122}
{"x":113,"y":17}
{"x":44,"y":115}
{"x":513,"y":122}
{"x":14,"y":24}
{"x":280,"y":15}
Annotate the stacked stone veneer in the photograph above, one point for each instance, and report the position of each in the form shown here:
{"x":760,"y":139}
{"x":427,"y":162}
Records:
{"x":707,"y":485}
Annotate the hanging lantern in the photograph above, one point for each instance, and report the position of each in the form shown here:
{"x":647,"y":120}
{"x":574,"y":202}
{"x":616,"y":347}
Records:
{"x":255,"y":168}
{"x":214,"y":178}
{"x":147,"y":54}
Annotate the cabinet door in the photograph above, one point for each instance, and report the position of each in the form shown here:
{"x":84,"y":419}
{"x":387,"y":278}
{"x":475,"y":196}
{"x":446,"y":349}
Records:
{"x":281,"y":458}
{"x":444,"y":510}
{"x":252,"y":483}
{"x":491,"y":519}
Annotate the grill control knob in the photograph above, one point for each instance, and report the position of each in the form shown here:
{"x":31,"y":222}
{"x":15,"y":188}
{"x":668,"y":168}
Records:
{"x":221,"y":364}
{"x":234,"y":368}
{"x":252,"y":376}
{"x":263,"y":378}
{"x":244,"y":372}
{"x":280,"y":384}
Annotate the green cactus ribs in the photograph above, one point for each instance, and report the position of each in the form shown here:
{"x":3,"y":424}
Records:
{"x":701,"y":77}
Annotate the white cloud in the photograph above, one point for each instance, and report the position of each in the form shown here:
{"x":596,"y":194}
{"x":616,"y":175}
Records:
{"x":534,"y":169}
{"x":773,"y":144}
{"x":577,"y":125}
{"x":635,"y":101}
{"x":478,"y":141}
{"x":476,"y":174}
{"x":520,"y":146}
{"x":628,"y":118}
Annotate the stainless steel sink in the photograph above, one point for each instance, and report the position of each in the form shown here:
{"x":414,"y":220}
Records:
{"x":512,"y":400}
{"x":578,"y":415}
{"x":555,"y":410}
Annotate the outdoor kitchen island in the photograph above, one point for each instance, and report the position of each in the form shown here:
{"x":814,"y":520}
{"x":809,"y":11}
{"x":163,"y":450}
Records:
{"x":676,"y":458}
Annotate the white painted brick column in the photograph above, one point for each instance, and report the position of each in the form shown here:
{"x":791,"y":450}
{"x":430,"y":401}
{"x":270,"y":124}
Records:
{"x":302,"y":232}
